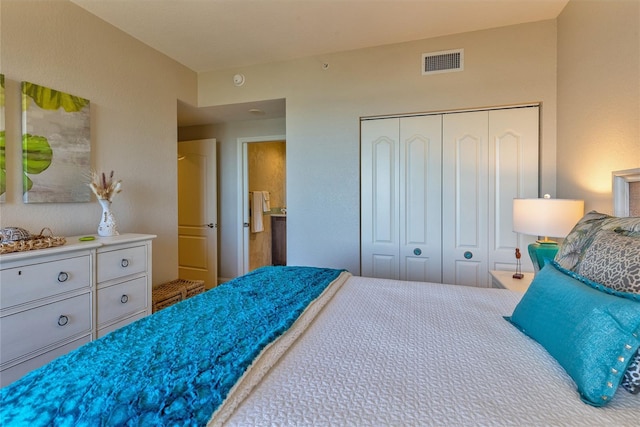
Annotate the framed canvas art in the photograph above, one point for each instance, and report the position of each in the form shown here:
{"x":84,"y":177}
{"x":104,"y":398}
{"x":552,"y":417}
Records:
{"x":3,"y":172}
{"x":56,"y":146}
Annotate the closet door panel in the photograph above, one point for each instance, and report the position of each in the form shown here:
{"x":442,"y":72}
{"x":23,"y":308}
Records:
{"x":468,"y":177}
{"x":379,"y":198}
{"x":513,"y":160}
{"x":468,"y":272}
{"x":383,"y":266}
{"x":420,"y":198}
{"x":464,"y":198}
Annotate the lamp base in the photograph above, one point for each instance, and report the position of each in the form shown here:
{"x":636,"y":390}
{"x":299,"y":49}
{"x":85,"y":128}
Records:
{"x":539,"y":251}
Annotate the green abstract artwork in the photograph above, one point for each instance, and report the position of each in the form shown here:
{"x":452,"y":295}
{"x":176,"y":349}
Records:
{"x":56,"y":146}
{"x":3,"y":171}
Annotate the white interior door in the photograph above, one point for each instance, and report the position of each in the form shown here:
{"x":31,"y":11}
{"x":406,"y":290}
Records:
{"x":465,"y":198}
{"x":197,"y":211}
{"x":400,"y":196}
{"x":420,"y":198}
{"x":513,"y":160}
{"x":379,"y":201}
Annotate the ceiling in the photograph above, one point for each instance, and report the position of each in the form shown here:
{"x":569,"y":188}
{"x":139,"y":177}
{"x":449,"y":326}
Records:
{"x":206,"y":35}
{"x":189,"y":115}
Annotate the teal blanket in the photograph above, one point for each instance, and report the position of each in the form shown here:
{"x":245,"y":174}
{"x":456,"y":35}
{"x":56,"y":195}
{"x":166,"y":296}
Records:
{"x":172,"y":368}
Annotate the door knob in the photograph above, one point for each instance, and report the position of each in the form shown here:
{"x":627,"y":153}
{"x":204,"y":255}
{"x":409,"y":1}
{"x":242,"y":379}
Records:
{"x":210,"y":225}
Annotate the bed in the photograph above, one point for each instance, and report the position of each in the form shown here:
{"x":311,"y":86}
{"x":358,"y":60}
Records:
{"x":323,"y":347}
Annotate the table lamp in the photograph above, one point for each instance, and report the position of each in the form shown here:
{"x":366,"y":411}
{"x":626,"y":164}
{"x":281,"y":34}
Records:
{"x":545,"y":217}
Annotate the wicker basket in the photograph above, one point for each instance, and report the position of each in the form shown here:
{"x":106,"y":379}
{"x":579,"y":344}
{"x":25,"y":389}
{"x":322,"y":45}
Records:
{"x":193,"y":287}
{"x":41,"y":241}
{"x":175,"y":291}
{"x":166,"y":301}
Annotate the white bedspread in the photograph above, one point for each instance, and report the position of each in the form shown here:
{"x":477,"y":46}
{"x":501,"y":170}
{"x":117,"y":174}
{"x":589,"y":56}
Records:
{"x":397,"y":353}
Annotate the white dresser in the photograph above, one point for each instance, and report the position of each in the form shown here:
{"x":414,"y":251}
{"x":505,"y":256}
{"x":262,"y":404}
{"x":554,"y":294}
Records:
{"x":54,"y":300}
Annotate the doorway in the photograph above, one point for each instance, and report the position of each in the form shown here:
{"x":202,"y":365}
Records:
{"x":263,"y":171}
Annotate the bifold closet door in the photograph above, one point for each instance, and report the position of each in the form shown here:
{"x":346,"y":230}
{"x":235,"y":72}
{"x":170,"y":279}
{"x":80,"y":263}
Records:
{"x":379,"y":198}
{"x":420,"y":198}
{"x":513,"y":164}
{"x":401,"y":198}
{"x":465,"y":201}
{"x":490,"y":158}
{"x":437,"y":193}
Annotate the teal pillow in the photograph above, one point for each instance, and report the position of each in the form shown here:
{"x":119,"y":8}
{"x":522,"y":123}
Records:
{"x":593,"y":335}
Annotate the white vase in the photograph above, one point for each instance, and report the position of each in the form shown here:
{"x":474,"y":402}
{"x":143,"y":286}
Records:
{"x":107,"y":226}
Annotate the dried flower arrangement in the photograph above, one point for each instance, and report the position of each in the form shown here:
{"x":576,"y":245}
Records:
{"x":104,"y":188}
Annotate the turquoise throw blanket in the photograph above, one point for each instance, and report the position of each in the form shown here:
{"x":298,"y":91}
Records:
{"x":172,"y":368}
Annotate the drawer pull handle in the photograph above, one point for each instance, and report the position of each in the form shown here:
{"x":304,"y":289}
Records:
{"x":124,"y":299}
{"x":124,"y":262}
{"x":63,"y":277}
{"x":63,"y":320}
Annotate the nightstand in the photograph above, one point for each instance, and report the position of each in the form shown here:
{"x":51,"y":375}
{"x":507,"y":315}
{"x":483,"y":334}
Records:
{"x":505,"y":280}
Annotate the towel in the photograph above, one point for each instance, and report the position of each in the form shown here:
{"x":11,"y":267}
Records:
{"x":266,"y":205}
{"x":257,"y":206}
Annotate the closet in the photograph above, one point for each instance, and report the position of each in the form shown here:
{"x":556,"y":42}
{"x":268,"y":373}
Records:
{"x":437,"y":193}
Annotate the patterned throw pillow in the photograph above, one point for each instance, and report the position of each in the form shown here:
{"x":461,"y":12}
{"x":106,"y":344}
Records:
{"x":580,"y":237}
{"x":631,"y":379}
{"x":627,"y":232}
{"x":613,"y":260}
{"x":570,"y":250}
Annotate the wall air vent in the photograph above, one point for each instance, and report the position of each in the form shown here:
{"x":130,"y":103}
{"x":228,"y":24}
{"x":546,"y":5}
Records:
{"x":446,"y":61}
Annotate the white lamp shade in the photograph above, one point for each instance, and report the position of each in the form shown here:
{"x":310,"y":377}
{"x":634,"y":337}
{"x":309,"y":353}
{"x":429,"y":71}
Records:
{"x":546,"y":217}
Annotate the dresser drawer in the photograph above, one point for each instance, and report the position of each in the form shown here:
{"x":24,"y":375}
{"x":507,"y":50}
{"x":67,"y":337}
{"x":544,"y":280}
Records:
{"x":32,"y":282}
{"x":122,"y":299}
{"x":33,"y":329}
{"x":121,"y":262}
{"x":9,"y":375}
{"x":119,"y":324}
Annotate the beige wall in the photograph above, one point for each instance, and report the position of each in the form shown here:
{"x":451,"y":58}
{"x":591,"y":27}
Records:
{"x":133,"y":91}
{"x":598,"y":98}
{"x":508,"y":65}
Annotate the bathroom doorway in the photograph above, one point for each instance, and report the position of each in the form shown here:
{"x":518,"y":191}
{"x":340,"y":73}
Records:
{"x":263,"y":201}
